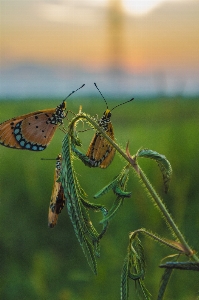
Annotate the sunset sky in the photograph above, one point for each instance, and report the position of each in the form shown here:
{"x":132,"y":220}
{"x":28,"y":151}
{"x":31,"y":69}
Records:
{"x":139,"y":37}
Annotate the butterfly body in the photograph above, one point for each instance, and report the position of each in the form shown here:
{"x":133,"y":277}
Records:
{"x":100,"y":152}
{"x":57,"y":201}
{"x":32,"y":131}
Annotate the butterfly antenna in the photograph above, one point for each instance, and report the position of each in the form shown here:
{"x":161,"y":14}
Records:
{"x":101,"y":94}
{"x":74,"y":91}
{"x":122,"y":103}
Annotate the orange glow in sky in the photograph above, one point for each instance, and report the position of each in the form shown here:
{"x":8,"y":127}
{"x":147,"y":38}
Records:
{"x":163,"y":34}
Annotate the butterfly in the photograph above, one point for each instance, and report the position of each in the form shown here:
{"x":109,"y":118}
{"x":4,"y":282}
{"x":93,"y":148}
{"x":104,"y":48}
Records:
{"x":33,"y":131}
{"x":100,"y":151}
{"x":57,"y":201}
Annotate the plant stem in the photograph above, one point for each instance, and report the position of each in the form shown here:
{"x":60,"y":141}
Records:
{"x":166,"y":215}
{"x":149,"y":187}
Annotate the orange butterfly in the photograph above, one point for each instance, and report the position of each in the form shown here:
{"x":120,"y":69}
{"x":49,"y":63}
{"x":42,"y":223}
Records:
{"x":33,"y":131}
{"x":57,"y":201}
{"x":100,"y":151}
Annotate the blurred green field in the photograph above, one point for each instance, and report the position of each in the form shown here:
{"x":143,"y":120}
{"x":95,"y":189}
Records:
{"x":42,"y":263}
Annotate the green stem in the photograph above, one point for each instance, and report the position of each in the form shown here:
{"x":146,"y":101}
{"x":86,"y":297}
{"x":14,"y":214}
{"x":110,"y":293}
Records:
{"x":144,"y":179}
{"x":165,"y":213}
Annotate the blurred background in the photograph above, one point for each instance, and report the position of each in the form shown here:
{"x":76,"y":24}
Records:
{"x":142,"y":49}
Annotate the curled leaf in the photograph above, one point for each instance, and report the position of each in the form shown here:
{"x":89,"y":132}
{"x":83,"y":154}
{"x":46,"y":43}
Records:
{"x":163,"y":163}
{"x":134,"y":268}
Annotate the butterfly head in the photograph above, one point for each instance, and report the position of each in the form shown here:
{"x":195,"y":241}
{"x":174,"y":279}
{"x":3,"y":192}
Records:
{"x":59,"y":114}
{"x":107,"y":114}
{"x":63,"y":105}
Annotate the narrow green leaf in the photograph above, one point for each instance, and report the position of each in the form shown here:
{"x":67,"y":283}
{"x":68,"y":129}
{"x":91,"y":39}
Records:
{"x":116,"y":205}
{"x":90,"y":255}
{"x":87,"y":248}
{"x":163,"y":163}
{"x":120,"y":188}
{"x":188,"y":265}
{"x":92,"y":232}
{"x":124,"y":288}
{"x":106,"y":189}
{"x":164,"y":282}
{"x":118,"y":191}
{"x":118,"y":185}
{"x":97,"y":208}
{"x":85,"y":159}
{"x":143,"y":289}
{"x":72,"y":193}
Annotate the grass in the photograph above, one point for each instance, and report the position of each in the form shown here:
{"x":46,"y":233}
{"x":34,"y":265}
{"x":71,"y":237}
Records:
{"x":43,"y":263}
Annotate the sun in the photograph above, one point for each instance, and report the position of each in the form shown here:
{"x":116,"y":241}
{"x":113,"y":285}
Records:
{"x":140,"y":7}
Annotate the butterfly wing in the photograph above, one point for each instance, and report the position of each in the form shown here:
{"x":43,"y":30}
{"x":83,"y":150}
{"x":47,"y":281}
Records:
{"x":100,"y":151}
{"x":36,"y":132}
{"x":7,"y":137}
{"x":57,"y":201}
{"x":32,"y":131}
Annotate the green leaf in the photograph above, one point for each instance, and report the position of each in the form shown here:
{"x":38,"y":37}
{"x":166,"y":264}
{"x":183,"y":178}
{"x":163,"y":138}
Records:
{"x":121,"y":193}
{"x":162,"y":162}
{"x":138,"y":258}
{"x":118,"y":185}
{"x":82,"y":156}
{"x":107,"y":188}
{"x":78,"y":226}
{"x":188,"y":265}
{"x":116,"y":205}
{"x":164,"y":281}
{"x":92,"y":232}
{"x":96,"y":208}
{"x":137,"y":266}
{"x":73,"y":194}
{"x":124,"y":288}
{"x":89,"y":253}
{"x":134,"y":268}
